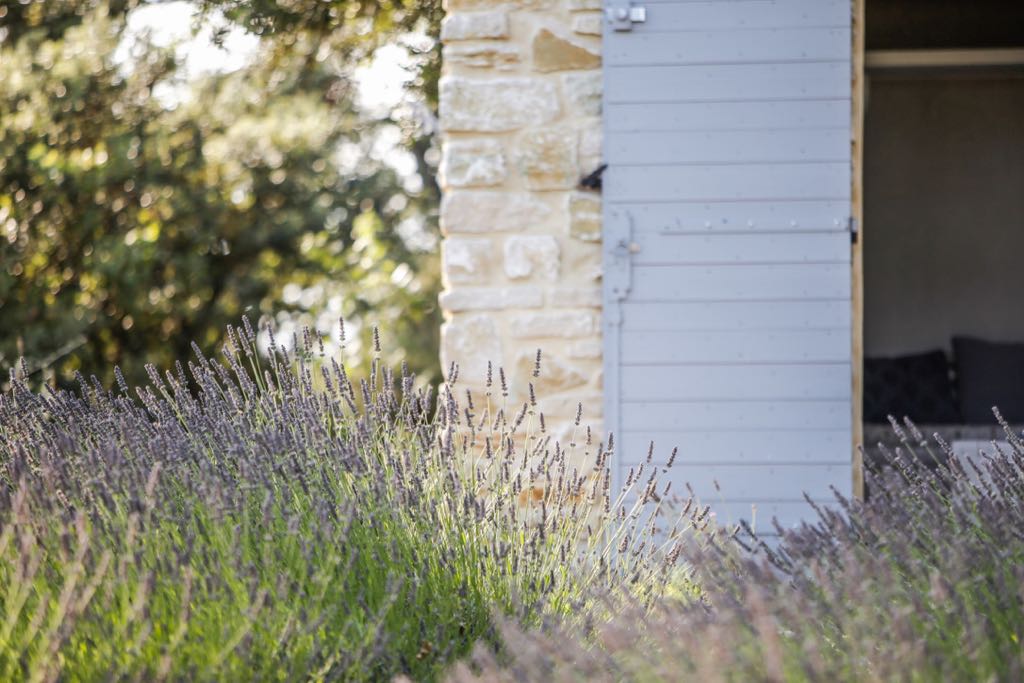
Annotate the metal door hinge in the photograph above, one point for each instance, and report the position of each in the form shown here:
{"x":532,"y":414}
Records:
{"x":619,"y":250}
{"x":854,"y":229}
{"x":622,"y":14}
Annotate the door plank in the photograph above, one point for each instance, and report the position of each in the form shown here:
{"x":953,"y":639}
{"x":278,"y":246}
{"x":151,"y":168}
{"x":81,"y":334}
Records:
{"x":727,"y":82}
{"x":735,"y":382}
{"x":765,"y":446}
{"x":738,"y":415}
{"x":716,"y":116}
{"x":718,"y":147}
{"x":735,"y":315}
{"x":739,"y":248}
{"x":805,"y":281}
{"x":721,"y":46}
{"x":735,"y":182}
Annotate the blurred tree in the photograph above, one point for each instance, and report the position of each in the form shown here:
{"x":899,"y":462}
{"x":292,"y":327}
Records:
{"x":139,"y":212}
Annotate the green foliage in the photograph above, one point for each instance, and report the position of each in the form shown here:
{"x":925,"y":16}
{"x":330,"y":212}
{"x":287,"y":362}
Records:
{"x":258,"y":528}
{"x":133,"y":221}
{"x":351,"y":28}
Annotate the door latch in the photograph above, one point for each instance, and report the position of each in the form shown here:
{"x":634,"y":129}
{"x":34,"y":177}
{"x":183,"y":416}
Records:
{"x":623,"y":249}
{"x":622,"y":14}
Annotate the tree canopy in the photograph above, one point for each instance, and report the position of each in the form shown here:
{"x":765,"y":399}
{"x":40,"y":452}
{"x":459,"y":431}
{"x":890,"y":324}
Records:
{"x":143,"y":208}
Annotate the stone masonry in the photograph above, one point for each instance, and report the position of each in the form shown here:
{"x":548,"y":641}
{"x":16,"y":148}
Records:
{"x":520,"y":114}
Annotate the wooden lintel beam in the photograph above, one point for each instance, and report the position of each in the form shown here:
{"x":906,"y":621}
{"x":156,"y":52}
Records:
{"x":944,"y":59}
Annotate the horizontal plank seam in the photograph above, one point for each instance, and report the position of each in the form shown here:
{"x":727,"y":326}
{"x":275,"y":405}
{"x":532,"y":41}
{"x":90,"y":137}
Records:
{"x":729,"y":500}
{"x":662,"y":3}
{"x":788,"y":161}
{"x":730,"y":363}
{"x":724,"y":62}
{"x":838,"y":4}
{"x":709,"y":400}
{"x":838,"y":161}
{"x":773,"y":264}
{"x":724,"y":431}
{"x":717,"y":200}
{"x":737,"y":300}
{"x":650,"y":29}
{"x":771,"y":200}
{"x":710,"y":232}
{"x":766,"y":129}
{"x":750,"y":100}
{"x":795,"y":128}
{"x":702,"y":330}
{"x":688,"y":264}
{"x":756,"y":62}
{"x":682,"y":463}
{"x":723,"y":400}
{"x":735,"y":100}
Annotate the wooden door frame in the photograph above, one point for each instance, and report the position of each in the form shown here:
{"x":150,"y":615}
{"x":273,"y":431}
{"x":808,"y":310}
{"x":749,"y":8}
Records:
{"x":857,"y":255}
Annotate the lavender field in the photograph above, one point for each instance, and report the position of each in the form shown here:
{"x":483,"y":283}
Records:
{"x":263,"y":517}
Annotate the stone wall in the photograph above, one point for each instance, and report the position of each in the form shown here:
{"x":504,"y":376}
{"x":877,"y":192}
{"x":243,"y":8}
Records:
{"x":520,"y":114}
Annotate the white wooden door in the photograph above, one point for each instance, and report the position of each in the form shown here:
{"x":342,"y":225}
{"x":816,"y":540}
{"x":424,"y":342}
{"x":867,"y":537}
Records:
{"x":727,"y":282}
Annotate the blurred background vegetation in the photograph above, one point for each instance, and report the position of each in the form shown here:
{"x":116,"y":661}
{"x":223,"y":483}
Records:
{"x":153,"y":191}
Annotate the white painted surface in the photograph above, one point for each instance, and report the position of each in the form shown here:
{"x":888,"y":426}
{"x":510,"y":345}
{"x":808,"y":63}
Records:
{"x":727,"y":271}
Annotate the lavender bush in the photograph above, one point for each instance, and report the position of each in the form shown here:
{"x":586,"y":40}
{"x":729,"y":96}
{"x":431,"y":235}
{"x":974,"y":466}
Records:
{"x":922,"y":582}
{"x":265,"y":518}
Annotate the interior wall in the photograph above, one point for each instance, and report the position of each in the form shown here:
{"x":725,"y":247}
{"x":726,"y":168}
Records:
{"x":917,"y":24}
{"x":944,"y":206}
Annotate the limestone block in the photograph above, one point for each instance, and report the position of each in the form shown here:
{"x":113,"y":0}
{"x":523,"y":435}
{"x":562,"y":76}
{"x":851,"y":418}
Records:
{"x":547,"y":158}
{"x":480,"y":211}
{"x":532,"y":256}
{"x":566,"y":406}
{"x":586,"y":349}
{"x":580,"y":5}
{"x":467,"y":163}
{"x":565,"y":324}
{"x":585,"y":216}
{"x":583,"y":92}
{"x":497,"y":56}
{"x":467,"y":259}
{"x":590,"y":148}
{"x":498,"y":104}
{"x":556,"y":375}
{"x":474,"y":26}
{"x":470,"y":341}
{"x":574,"y":297}
{"x":587,"y":24}
{"x":552,"y":53}
{"x":582,"y":263}
{"x":491,"y":298}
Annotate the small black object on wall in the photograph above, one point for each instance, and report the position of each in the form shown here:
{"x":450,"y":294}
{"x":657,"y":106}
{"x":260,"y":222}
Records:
{"x":592,"y":181}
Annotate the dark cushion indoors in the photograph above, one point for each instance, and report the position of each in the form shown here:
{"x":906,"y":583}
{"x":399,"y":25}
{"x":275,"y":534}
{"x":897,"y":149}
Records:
{"x":989,"y":374}
{"x":918,"y":386}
